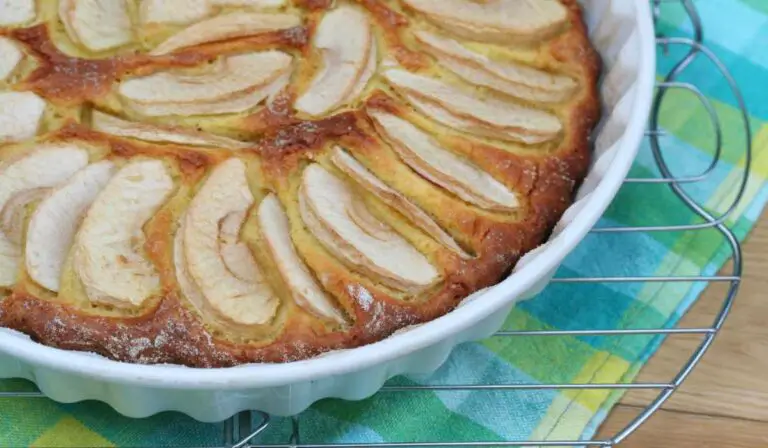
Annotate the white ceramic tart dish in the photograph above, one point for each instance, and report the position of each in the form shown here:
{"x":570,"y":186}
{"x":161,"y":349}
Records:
{"x":266,"y":176}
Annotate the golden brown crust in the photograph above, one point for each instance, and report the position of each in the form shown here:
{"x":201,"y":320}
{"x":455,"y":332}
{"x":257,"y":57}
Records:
{"x":168,"y":331}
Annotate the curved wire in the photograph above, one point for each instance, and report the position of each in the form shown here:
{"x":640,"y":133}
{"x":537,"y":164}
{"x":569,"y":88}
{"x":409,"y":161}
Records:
{"x":265,"y":421}
{"x":719,"y":222}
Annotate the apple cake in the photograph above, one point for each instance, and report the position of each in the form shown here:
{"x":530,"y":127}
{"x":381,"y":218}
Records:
{"x":219,"y":182}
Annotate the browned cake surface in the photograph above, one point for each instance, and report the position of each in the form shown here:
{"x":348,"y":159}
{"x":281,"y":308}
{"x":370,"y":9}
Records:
{"x":167,"y":327}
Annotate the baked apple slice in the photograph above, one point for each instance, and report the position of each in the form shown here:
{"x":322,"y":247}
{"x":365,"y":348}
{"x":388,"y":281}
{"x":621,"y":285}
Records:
{"x":21,"y":181}
{"x":235,"y":253}
{"x":182,"y":12}
{"x":442,"y":167}
{"x":14,"y":215}
{"x":187,"y":285}
{"x":10,"y":57}
{"x":233,"y":84}
{"x":220,"y":265}
{"x":108,"y":253}
{"x":490,"y":116}
{"x":17,"y":12}
{"x":305,"y":290}
{"x":173,"y":12}
{"x":508,"y":77}
{"x":344,"y":39}
{"x":227,"y":26}
{"x":499,"y":21}
{"x":238,"y":103}
{"x":55,"y":222}
{"x":365,"y":77}
{"x":20,"y":115}
{"x":441,"y":115}
{"x":344,"y":226}
{"x":98,"y":25}
{"x":250,"y":3}
{"x":112,"y":125}
{"x":393,"y":198}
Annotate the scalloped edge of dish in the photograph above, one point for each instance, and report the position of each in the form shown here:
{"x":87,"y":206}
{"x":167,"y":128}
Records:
{"x":623,"y":33}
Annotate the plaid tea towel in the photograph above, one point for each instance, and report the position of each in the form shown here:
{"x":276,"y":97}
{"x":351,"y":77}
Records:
{"x":489,"y":416}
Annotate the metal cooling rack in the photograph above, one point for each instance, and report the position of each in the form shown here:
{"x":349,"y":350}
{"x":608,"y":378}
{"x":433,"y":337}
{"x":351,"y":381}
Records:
{"x":243,"y":430}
